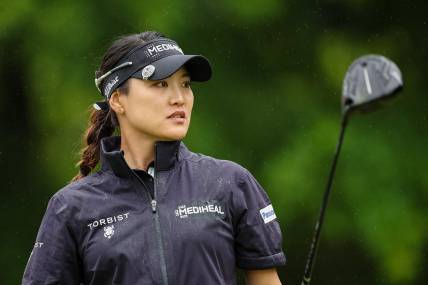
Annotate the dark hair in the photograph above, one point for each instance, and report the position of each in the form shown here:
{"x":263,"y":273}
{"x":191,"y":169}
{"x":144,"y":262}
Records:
{"x":103,"y":123}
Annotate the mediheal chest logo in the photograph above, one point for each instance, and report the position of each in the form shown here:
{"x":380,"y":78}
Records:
{"x":200,"y":209}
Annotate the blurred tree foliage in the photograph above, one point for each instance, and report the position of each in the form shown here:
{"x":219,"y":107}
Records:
{"x":272,"y":106}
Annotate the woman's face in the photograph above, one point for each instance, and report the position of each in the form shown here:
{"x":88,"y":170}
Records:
{"x":147,"y":108}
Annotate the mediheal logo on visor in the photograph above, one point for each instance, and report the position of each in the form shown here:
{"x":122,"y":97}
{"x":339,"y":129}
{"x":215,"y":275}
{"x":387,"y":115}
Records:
{"x":153,"y":50}
{"x":268,"y":214}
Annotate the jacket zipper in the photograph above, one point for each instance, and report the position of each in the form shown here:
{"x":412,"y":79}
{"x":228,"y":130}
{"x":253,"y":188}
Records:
{"x":158,"y":231}
{"x":153,"y":203}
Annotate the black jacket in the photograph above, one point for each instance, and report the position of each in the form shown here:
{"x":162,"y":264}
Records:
{"x":205,"y":217}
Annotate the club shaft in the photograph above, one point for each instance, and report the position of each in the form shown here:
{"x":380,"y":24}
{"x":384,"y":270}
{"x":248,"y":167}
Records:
{"x":315,"y":241}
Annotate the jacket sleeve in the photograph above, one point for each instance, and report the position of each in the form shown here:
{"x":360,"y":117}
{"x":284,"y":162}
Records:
{"x":53,"y":259}
{"x":258,"y":238}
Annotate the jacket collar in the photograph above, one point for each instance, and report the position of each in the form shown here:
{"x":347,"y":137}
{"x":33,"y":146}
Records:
{"x":112,"y":157}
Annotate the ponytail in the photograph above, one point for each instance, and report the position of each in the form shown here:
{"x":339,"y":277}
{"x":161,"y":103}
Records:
{"x":102,"y":123}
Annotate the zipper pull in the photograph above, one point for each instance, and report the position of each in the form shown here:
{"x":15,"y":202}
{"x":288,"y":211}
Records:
{"x":154,"y":203}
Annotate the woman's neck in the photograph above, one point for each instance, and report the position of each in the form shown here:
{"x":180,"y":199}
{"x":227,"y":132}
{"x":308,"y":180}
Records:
{"x":139,"y":150}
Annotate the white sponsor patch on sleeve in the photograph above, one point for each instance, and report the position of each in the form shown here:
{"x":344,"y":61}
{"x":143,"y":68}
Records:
{"x":268,"y":214}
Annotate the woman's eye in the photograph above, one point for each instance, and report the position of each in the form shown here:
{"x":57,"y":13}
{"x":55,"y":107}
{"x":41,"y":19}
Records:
{"x":161,"y":84}
{"x":186,"y":84}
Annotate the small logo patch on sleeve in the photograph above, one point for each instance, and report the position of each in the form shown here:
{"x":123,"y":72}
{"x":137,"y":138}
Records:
{"x":268,"y":214}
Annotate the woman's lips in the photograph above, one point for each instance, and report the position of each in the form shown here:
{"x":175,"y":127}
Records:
{"x":178,"y":117}
{"x":177,"y":120}
{"x":178,"y":114}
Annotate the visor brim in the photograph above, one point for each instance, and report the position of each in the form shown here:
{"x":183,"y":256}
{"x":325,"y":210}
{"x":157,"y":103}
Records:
{"x":197,"y":66}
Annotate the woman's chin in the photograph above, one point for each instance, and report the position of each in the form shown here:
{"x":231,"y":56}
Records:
{"x":173,"y":135}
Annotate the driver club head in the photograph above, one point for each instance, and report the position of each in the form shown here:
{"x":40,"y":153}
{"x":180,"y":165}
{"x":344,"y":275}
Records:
{"x":369,"y":80}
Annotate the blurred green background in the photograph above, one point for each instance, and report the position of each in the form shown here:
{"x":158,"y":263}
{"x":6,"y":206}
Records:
{"x":272,"y":106}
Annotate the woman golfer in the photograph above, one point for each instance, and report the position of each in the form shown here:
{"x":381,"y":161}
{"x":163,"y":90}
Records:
{"x":155,"y":212}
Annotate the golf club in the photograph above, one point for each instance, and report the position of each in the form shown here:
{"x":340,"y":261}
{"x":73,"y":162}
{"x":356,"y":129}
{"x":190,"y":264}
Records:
{"x":369,"y":80}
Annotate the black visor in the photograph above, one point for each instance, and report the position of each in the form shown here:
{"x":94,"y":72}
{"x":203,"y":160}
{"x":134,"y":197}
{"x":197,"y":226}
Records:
{"x":154,"y":60}
{"x":197,"y":66}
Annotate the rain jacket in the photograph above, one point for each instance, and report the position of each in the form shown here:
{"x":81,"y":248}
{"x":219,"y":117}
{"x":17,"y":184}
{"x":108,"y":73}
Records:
{"x":193,"y":222}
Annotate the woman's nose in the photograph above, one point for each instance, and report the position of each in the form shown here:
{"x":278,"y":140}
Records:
{"x":177,"y":95}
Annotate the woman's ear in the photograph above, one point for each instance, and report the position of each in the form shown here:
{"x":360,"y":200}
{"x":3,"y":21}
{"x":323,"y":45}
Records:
{"x":116,"y":103}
